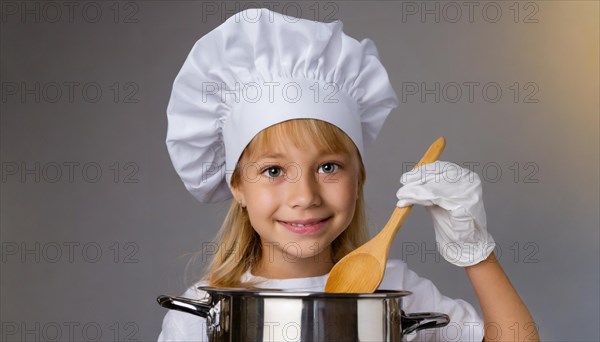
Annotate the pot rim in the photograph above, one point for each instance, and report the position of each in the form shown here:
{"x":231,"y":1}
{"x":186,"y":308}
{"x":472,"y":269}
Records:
{"x":278,"y":293}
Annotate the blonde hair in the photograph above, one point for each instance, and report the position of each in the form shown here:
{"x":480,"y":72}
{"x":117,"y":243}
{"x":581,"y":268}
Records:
{"x":238,"y":245}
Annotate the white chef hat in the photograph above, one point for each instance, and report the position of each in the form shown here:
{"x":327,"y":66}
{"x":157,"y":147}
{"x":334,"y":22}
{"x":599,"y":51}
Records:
{"x":260,"y":68}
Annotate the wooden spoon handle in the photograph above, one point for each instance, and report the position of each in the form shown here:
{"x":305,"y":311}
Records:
{"x":433,"y":152}
{"x":399,"y":214}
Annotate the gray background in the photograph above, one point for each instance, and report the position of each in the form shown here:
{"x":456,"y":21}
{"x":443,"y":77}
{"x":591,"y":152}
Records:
{"x":144,"y":224}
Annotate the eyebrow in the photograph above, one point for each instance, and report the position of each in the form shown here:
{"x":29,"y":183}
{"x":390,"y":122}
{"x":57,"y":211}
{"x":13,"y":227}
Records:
{"x":272,"y":155}
{"x":276,"y":155}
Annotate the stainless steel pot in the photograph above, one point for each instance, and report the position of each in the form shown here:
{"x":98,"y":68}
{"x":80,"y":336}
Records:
{"x":275,"y":315}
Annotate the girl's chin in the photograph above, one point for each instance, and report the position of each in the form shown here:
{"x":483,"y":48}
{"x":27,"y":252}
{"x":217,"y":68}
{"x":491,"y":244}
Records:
{"x":305,"y":250}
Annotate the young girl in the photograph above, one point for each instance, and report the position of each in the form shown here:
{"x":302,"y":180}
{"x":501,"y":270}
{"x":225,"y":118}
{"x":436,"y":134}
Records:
{"x":276,"y":111}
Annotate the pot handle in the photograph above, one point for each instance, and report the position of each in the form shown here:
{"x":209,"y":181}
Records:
{"x":195,"y":307}
{"x":423,"y":320}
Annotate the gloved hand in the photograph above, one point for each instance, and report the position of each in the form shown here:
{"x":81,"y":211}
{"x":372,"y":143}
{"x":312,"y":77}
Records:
{"x":453,"y":197}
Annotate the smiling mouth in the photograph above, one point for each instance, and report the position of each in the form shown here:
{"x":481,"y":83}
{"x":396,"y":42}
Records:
{"x":305,"y":227}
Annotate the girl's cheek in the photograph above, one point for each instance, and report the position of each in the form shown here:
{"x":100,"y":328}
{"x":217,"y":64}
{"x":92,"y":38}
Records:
{"x":266,"y":196}
{"x":343,"y":182}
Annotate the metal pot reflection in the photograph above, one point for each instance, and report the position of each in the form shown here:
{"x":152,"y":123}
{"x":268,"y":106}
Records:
{"x":234,"y":314}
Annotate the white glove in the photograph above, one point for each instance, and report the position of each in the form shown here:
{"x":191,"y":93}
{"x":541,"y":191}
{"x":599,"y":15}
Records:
{"x":453,"y":197}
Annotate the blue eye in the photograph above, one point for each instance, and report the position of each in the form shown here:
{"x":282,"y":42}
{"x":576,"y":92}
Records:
{"x":272,"y":171}
{"x":329,"y":168}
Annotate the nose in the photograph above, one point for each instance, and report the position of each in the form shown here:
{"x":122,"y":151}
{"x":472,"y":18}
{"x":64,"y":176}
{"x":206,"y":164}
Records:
{"x":304,"y":191}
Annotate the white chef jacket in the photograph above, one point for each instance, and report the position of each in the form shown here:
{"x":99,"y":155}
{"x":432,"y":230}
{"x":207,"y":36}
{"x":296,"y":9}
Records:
{"x":465,"y":323}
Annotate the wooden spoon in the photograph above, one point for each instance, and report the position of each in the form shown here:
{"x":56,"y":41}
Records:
{"x":362,"y":270}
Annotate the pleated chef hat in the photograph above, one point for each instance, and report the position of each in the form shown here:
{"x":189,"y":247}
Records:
{"x":260,"y":68}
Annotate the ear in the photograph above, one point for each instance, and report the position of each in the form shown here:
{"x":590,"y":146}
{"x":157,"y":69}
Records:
{"x":238,"y":196}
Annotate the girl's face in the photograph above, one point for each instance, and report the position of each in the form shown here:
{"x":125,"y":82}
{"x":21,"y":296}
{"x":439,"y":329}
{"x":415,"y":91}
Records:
{"x":298,"y":200}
